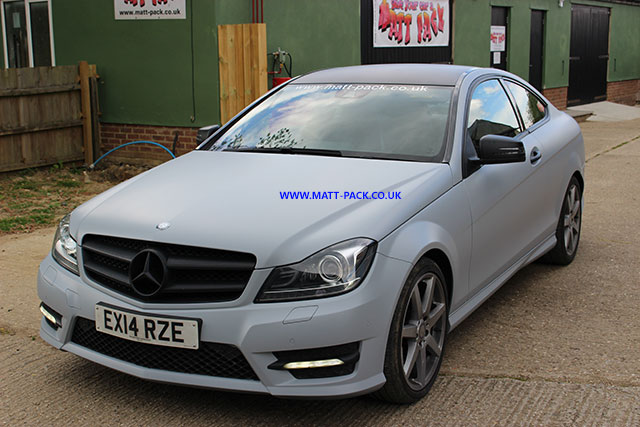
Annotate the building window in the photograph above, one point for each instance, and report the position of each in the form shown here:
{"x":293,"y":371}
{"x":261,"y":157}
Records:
{"x":27,"y":33}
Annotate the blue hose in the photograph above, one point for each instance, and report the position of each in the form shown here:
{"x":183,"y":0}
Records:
{"x":131,"y":143}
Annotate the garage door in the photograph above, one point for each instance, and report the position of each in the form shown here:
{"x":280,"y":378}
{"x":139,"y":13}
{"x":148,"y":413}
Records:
{"x":589,"y":55}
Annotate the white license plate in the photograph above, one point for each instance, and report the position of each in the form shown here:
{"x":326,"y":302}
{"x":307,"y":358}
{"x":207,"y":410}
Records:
{"x":158,"y":330}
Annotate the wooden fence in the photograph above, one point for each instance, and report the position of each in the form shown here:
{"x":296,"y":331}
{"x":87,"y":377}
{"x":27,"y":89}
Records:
{"x":48,"y":115}
{"x":242,"y":52}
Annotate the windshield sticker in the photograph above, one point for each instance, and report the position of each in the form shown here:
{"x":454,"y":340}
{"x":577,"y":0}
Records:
{"x":362,"y":87}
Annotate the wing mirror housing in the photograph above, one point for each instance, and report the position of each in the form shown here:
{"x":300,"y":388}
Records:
{"x":495,"y":149}
{"x":205,"y":132}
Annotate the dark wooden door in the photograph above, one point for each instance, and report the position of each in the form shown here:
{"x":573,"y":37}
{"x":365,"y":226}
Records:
{"x":382,"y":55}
{"x":589,"y":57}
{"x":499,"y":16}
{"x":535,"y":48}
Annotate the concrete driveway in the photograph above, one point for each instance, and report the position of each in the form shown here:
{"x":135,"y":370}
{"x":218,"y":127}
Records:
{"x":553,"y":346}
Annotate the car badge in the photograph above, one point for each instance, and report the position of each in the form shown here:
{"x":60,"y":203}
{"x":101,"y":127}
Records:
{"x":163,"y":226}
{"x":148,"y":272}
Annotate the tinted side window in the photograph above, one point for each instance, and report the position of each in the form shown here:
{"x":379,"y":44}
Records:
{"x":491,"y":113}
{"x":531,"y":109}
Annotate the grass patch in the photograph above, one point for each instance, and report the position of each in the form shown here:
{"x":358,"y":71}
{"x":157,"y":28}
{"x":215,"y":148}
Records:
{"x":68,"y":183}
{"x":25,"y":184}
{"x":32,"y":199}
{"x":26,"y":223}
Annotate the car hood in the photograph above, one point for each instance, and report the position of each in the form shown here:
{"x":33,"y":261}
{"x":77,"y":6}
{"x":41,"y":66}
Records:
{"x":232,"y":201}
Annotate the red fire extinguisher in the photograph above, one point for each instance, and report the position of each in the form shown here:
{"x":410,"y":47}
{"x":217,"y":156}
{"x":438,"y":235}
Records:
{"x":280,"y":62}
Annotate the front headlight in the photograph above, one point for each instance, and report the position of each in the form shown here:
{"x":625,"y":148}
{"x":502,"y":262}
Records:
{"x":332,"y":271}
{"x":64,"y":247}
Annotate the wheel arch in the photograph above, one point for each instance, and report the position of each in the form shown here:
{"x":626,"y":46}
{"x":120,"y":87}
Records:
{"x":580,"y":179}
{"x":442,"y":232}
{"x":443,"y":262}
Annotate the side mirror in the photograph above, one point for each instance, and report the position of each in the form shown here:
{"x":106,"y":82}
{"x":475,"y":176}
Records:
{"x":495,"y":149}
{"x":205,"y":132}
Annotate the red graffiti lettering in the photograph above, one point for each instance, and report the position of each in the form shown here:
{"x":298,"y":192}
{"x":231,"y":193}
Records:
{"x":407,"y":24}
{"x":497,"y":37}
{"x":410,"y":5}
{"x":399,"y":21}
{"x":427,"y":27}
{"x":142,"y":2}
{"x":434,"y":22}
{"x":384,"y":16}
{"x":392,"y":22}
{"x":440,"y":18}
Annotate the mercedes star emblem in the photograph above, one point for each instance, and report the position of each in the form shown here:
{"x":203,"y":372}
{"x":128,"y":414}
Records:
{"x":148,"y":272}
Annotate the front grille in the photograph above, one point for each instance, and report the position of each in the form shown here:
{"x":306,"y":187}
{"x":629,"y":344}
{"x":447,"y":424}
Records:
{"x":212,"y":359}
{"x":194,"y":274}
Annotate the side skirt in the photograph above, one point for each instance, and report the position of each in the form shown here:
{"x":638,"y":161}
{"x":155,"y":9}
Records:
{"x":468,"y":307}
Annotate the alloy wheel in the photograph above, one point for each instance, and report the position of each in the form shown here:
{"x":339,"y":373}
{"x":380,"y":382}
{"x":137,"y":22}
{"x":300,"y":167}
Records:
{"x":423,"y":331}
{"x":572,"y":220}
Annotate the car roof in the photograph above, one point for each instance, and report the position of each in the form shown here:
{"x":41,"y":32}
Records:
{"x":424,"y":74}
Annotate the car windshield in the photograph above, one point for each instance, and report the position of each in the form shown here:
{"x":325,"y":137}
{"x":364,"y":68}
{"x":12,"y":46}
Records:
{"x":404,"y":122}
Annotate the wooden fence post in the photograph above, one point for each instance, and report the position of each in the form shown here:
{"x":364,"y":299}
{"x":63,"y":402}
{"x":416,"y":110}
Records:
{"x":83,"y":69}
{"x":242,"y":56}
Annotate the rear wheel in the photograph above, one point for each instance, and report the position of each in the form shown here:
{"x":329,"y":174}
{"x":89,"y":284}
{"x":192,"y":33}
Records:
{"x":417,"y":337}
{"x":569,"y":225}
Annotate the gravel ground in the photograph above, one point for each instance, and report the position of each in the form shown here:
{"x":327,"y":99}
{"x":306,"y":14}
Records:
{"x":554,"y":346}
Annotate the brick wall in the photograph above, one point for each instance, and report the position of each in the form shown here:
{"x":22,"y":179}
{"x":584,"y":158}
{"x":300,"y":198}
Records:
{"x":624,"y":92}
{"x":114,"y":134}
{"x":557,"y":96}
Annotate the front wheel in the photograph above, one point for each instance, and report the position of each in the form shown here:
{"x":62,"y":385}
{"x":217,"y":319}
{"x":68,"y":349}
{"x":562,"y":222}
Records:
{"x":568,"y":229}
{"x":417,"y":337}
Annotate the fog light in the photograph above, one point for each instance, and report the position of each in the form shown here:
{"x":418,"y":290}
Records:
{"x":319,"y":362}
{"x":54,"y":319}
{"x":313,"y":364}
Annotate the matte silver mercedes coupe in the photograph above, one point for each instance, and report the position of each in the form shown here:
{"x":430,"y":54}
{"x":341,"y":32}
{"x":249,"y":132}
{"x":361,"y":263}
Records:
{"x":326,"y":239}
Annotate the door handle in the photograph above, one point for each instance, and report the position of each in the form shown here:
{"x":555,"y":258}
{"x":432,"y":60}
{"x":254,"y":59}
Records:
{"x":536,"y":155}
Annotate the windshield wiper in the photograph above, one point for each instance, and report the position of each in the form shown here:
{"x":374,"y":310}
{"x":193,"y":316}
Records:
{"x":290,"y":150}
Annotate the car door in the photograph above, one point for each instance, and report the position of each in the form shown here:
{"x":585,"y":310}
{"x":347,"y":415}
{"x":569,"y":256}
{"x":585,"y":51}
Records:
{"x":548,"y":176}
{"x":504,"y":198}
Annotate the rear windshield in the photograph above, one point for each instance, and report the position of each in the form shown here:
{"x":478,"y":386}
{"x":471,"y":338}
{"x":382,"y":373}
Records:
{"x":360,"y":120}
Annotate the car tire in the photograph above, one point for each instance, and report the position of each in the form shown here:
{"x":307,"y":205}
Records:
{"x":568,"y":229}
{"x":417,"y":336}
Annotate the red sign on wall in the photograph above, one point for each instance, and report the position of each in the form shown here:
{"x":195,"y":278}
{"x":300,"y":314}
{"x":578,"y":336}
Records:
{"x":410,"y":23}
{"x":149,"y":9}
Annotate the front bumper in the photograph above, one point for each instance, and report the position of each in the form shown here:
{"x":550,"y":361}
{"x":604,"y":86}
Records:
{"x":257,"y":330}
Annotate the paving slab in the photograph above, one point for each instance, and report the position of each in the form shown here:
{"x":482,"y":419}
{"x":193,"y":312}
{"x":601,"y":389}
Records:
{"x":57,"y":388}
{"x":608,"y":111}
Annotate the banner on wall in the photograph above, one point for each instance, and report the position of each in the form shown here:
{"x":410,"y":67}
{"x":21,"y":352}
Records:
{"x":498,"y":38}
{"x":409,"y":23}
{"x":150,"y":9}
